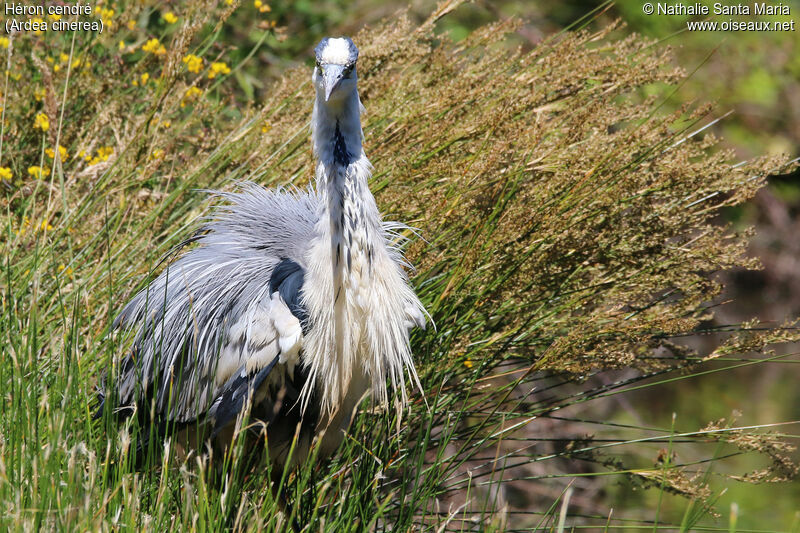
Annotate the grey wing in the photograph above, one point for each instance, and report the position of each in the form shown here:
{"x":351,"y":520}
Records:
{"x":215,"y":319}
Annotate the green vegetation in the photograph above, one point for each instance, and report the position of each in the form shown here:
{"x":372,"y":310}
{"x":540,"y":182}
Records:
{"x":567,"y":248}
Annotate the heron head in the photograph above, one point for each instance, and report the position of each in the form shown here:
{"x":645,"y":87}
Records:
{"x":335,"y":72}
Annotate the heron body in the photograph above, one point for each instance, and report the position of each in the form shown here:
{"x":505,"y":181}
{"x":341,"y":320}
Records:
{"x":293,"y":305}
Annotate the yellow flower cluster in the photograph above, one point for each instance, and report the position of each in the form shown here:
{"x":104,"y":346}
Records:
{"x":38,"y":172}
{"x":144,"y":79}
{"x":218,"y":67}
{"x":4,"y":42}
{"x":41,"y":122}
{"x":61,"y":150}
{"x":170,"y":18}
{"x":262,"y":7}
{"x":193,"y":63}
{"x":63,"y":268}
{"x":103,"y":153}
{"x":154,"y":47}
{"x":39,"y":23}
{"x":5,"y":173}
{"x":106,"y":15}
{"x":26,"y":223}
{"x":191,"y":94}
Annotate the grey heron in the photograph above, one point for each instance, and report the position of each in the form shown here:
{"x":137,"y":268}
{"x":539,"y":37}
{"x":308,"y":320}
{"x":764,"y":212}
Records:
{"x":291,"y":305}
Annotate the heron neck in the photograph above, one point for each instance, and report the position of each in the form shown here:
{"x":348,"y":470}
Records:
{"x":341,"y":254}
{"x":349,"y":219}
{"x":336,"y":130}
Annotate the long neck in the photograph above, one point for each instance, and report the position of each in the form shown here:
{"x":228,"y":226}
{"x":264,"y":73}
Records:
{"x":348,"y":235}
{"x":337,"y":130}
{"x":350,"y":216}
{"x":355,"y":290}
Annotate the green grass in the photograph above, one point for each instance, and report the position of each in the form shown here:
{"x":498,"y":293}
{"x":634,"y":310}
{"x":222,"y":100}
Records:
{"x":567,"y":248}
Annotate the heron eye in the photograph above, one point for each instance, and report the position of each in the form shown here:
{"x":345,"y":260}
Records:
{"x":348,"y":70}
{"x":319,"y":66}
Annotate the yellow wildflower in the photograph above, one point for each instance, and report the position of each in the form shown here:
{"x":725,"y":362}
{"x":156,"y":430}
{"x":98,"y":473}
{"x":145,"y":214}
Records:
{"x":38,"y":22}
{"x":264,"y":8}
{"x":151,"y":45}
{"x":166,"y":124}
{"x":50,"y":59}
{"x":45,"y":226}
{"x":61,"y":150}
{"x":131,"y":24}
{"x":63,"y":268}
{"x":468,"y":363}
{"x":26,"y":222}
{"x":63,"y":57}
{"x":106,"y":15}
{"x":170,"y":17}
{"x":5,"y":173}
{"x":218,"y":67}
{"x":41,"y":122}
{"x":145,"y":78}
{"x":54,"y":17}
{"x":191,"y":94}
{"x":39,"y":94}
{"x":229,"y":2}
{"x":38,"y":172}
{"x":157,"y":154}
{"x":104,"y":152}
{"x":265,"y":128}
{"x":56,"y":68}
{"x":82,"y":155}
{"x":193,"y":63}
{"x":154,"y":47}
{"x":4,"y":42}
{"x":121,"y":45}
{"x":76,"y":63}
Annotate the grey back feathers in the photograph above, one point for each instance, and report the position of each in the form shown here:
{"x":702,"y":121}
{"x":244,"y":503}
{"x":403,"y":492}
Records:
{"x":184,"y":316}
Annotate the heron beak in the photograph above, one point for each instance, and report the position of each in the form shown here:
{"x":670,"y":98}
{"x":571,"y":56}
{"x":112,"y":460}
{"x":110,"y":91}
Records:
{"x":331,"y":79}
